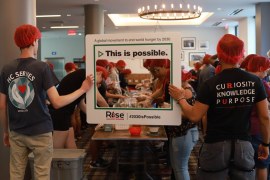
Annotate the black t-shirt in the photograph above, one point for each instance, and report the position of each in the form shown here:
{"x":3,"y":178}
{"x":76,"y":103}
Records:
{"x":102,"y":89}
{"x":123,"y":81}
{"x":69,"y":84}
{"x":25,"y":81}
{"x":230,"y":96}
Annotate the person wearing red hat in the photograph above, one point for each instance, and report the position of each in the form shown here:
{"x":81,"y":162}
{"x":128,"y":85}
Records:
{"x":195,"y":75}
{"x":84,"y":58}
{"x":183,"y":138}
{"x":207,"y":71}
{"x":244,"y":63}
{"x":160,"y":69}
{"x":228,"y":99}
{"x":76,"y":122}
{"x":258,"y":66}
{"x":214,"y":60}
{"x":111,"y":81}
{"x":120,"y":65}
{"x":24,"y":83}
{"x":102,"y":62}
{"x":70,"y":67}
{"x":123,"y":79}
{"x":63,"y":124}
{"x":96,"y":160}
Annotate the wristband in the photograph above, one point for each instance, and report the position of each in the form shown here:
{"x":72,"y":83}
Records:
{"x":265,"y":144}
{"x":179,"y":99}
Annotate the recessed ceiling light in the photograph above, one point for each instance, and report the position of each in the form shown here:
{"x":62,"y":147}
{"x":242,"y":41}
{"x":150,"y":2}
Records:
{"x":64,"y":27}
{"x":68,"y":14}
{"x":219,"y":9}
{"x":52,"y":15}
{"x":79,"y":34}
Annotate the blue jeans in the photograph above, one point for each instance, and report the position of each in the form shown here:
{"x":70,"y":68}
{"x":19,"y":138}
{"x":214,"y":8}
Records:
{"x":214,"y":161}
{"x":180,"y":149}
{"x":256,"y":140}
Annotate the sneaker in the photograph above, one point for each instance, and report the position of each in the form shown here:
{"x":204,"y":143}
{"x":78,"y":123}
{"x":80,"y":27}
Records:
{"x":99,"y":164}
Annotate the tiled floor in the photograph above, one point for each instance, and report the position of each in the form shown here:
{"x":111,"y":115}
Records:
{"x":156,"y":162}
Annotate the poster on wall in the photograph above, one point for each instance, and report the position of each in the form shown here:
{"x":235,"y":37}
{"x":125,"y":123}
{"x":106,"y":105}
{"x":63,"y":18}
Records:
{"x":153,"y":61}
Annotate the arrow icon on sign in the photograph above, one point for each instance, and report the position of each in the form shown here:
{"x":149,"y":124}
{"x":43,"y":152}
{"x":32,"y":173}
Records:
{"x":100,"y":53}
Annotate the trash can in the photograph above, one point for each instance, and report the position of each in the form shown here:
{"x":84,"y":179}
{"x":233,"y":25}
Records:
{"x":66,"y":164}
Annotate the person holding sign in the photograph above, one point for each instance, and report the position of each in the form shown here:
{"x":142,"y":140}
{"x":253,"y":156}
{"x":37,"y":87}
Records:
{"x":24,"y":114}
{"x":63,"y":134}
{"x":228,"y":99}
{"x":183,"y":138}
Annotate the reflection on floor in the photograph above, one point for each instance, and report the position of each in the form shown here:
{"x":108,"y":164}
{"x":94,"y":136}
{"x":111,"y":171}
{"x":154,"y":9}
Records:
{"x":157,"y":166}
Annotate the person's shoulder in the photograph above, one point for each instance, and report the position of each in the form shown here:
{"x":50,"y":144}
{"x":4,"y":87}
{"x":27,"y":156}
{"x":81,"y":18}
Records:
{"x":242,"y":74}
{"x":75,"y":76}
{"x":9,"y":65}
{"x":248,"y":74}
{"x":38,"y":63}
{"x":78,"y":72}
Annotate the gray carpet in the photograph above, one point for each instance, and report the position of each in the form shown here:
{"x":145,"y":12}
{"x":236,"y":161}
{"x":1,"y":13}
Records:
{"x":156,"y":162}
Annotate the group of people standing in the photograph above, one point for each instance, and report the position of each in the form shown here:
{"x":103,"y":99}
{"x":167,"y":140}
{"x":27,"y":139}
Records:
{"x":233,"y":101}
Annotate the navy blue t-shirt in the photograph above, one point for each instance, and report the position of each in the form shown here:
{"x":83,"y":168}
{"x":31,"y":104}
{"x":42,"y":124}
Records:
{"x":25,"y":82}
{"x":230,"y":96}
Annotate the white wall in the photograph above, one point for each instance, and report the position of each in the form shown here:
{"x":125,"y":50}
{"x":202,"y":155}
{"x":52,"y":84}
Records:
{"x":247,"y":34}
{"x":210,"y":34}
{"x":71,"y":47}
{"x":68,"y":47}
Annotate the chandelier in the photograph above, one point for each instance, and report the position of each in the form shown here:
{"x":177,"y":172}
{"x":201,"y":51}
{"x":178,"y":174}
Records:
{"x":180,"y":12}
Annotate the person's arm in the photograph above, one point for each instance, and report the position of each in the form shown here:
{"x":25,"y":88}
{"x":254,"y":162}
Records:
{"x":82,"y":105}
{"x":193,"y":113}
{"x":117,"y":96}
{"x":158,"y":93}
{"x":188,"y":95}
{"x":147,"y":100}
{"x":263,"y":114}
{"x":4,"y":119}
{"x":59,"y":101}
{"x":100,"y":100}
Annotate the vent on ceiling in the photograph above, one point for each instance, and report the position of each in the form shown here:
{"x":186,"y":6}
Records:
{"x":216,"y":23}
{"x":235,"y":12}
{"x":57,"y":22}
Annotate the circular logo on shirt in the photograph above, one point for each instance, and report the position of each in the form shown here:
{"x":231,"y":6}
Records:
{"x":21,"y":92}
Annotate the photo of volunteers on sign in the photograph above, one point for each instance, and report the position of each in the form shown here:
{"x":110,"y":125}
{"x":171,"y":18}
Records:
{"x":132,"y":73}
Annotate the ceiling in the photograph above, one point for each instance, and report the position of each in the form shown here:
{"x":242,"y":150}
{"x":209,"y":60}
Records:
{"x":220,"y":9}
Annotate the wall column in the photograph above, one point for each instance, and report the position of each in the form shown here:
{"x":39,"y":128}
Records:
{"x":94,"y":19}
{"x":12,"y":14}
{"x":247,"y":34}
{"x":262,"y":28}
